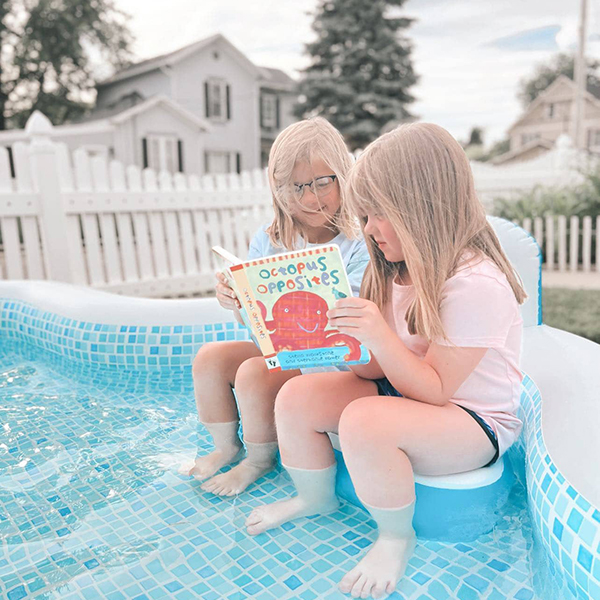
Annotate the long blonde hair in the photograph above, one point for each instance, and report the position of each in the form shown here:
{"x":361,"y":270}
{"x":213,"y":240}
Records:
{"x":419,"y":178}
{"x":308,"y":140}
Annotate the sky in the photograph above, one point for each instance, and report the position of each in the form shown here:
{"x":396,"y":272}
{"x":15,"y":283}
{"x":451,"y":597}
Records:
{"x":470,"y":54}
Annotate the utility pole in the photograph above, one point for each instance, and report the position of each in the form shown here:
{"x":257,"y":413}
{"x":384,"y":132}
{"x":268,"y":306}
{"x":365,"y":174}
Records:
{"x":580,"y":81}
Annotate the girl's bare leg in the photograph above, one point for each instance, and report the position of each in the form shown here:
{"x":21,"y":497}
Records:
{"x":306,"y":408}
{"x":214,"y":370}
{"x":383,"y":440}
{"x":256,"y":389}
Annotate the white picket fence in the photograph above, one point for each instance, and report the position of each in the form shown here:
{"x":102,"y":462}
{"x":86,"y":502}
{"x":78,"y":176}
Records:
{"x":93,"y":222}
{"x":121,"y":229}
{"x":567,"y":243}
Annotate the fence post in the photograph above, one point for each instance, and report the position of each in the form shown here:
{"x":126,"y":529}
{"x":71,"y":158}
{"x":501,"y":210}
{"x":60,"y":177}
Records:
{"x":587,"y":244}
{"x":598,"y":244}
{"x":549,"y":243}
{"x":562,"y":243}
{"x":574,"y":243}
{"x":53,"y":219}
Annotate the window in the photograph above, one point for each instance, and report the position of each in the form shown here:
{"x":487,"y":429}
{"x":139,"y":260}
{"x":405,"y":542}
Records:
{"x":269,"y":111}
{"x":217,"y":100}
{"x":558,"y":110}
{"x":593,"y":138}
{"x":162,"y":153}
{"x":529,"y":137}
{"x":222,"y":162}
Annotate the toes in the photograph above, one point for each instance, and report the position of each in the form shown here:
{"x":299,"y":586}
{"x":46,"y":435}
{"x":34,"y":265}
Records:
{"x":366,"y":591}
{"x":377,"y":591}
{"x":348,"y":581}
{"x":208,"y":486}
{"x":357,"y":588}
{"x":254,"y":518}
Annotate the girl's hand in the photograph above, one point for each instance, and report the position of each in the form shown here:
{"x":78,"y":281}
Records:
{"x":225,"y":295}
{"x":361,"y":319}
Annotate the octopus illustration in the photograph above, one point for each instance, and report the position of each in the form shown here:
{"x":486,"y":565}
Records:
{"x":298,"y":323}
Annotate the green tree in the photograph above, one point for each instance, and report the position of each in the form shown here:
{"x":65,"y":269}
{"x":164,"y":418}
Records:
{"x":545,"y":74}
{"x":360,"y":69}
{"x":55,"y":48}
{"x":476,"y":137}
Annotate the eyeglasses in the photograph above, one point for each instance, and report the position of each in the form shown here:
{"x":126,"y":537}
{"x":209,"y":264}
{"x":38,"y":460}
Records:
{"x":319,"y":186}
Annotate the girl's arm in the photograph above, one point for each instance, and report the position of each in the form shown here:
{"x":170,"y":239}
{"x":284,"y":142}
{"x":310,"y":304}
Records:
{"x":372,"y":370}
{"x":433,"y":379}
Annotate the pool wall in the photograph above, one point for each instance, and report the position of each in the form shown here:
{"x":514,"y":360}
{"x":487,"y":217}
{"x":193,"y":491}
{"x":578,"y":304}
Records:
{"x":90,"y":327}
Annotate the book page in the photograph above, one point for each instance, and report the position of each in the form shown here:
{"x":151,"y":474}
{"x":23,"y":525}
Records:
{"x":291,"y":293}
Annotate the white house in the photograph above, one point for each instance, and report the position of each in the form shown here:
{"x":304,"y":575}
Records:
{"x":549,"y":116}
{"x":205,"y":108}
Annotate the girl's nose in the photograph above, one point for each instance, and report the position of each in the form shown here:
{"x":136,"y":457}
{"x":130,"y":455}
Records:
{"x":369,"y":226}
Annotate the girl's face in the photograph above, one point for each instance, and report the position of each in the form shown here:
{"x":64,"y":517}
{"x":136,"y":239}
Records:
{"x":315,"y":208}
{"x":382,"y":232}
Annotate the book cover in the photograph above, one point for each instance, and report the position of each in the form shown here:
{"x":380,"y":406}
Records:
{"x":286,"y":298}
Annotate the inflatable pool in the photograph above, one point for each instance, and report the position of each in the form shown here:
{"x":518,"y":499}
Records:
{"x":97,"y":413}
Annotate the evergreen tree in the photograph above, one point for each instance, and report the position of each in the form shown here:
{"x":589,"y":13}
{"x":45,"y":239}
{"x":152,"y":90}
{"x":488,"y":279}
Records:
{"x":50,"y":65}
{"x":361,"y":68}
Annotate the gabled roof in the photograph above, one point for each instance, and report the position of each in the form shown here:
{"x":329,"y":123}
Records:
{"x":166,"y":103}
{"x":560,"y":80}
{"x":539,"y":143}
{"x":108,"y":124}
{"x":278,"y":80}
{"x":171,"y":58}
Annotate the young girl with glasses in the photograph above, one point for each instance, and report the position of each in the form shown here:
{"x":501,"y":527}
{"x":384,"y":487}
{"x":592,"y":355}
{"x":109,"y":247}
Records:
{"x":440,"y":315}
{"x":308,"y":165}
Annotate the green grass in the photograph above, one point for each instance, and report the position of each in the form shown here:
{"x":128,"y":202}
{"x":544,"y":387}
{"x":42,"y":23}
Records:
{"x":577,"y":311}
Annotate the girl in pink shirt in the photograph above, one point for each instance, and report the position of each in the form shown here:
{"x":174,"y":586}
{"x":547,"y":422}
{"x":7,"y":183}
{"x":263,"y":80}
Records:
{"x":439,"y":312}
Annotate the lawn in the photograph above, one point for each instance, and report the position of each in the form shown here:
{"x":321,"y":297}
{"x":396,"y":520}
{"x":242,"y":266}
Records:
{"x":577,"y":311}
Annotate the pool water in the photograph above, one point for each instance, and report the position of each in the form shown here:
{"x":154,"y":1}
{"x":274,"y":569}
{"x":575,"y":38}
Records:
{"x":92,"y":506}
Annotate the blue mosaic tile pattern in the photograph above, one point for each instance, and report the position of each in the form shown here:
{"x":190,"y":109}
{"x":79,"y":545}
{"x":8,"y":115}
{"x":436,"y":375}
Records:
{"x":95,"y":424}
{"x":567,"y":524}
{"x":92,"y":506}
{"x":123,"y":346}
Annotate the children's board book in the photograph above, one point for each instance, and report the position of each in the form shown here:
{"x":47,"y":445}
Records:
{"x":285,"y":299}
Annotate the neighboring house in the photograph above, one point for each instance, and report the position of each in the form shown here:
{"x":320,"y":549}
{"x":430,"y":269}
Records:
{"x":550,"y":115}
{"x":205,"y":108}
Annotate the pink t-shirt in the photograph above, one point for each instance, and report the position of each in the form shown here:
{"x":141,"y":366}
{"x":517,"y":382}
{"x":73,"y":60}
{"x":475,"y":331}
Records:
{"x":478,"y":310}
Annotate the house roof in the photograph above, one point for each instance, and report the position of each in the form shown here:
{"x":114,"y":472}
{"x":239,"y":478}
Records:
{"x":592,"y":94}
{"x":166,"y":103}
{"x":107,"y":124}
{"x":539,"y":143}
{"x":171,"y":58}
{"x":278,"y":80}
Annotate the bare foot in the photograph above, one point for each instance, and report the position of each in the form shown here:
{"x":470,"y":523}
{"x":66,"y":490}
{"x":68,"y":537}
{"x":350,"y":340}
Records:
{"x":206,"y":466}
{"x":237,"y":479}
{"x":273,"y":515}
{"x":381,"y":568}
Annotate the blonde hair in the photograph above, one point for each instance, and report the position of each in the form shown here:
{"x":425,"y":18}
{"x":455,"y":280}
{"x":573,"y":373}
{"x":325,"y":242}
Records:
{"x":308,"y":140}
{"x":419,"y":177}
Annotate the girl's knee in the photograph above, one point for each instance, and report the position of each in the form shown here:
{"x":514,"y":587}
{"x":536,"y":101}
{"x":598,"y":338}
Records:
{"x":210,"y":358}
{"x":251,"y":373}
{"x":356,"y":420}
{"x":367,"y":422}
{"x":294,"y":398}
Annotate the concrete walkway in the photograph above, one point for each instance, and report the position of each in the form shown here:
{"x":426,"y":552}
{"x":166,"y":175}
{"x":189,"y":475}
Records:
{"x":572,"y":280}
